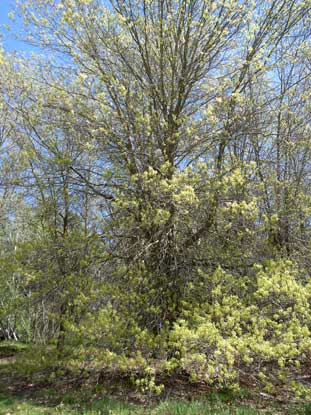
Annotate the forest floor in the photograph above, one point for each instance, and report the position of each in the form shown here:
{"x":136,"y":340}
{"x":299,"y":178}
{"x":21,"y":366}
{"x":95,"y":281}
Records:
{"x":22,"y":394}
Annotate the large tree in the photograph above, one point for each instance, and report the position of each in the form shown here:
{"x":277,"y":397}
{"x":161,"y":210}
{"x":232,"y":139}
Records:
{"x":157,"y":140}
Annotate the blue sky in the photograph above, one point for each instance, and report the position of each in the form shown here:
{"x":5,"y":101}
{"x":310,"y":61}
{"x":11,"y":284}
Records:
{"x":9,"y":43}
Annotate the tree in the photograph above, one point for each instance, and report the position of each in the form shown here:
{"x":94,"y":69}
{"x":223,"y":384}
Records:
{"x":156,"y":144}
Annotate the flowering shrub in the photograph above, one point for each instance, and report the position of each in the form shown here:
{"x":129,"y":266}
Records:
{"x":259,"y":328}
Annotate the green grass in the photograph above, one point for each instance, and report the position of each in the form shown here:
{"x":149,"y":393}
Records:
{"x":19,"y":406}
{"x":23,"y":406}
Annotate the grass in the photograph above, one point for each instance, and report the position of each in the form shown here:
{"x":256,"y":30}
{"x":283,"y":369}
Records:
{"x":22,"y":406}
{"x":14,"y":405}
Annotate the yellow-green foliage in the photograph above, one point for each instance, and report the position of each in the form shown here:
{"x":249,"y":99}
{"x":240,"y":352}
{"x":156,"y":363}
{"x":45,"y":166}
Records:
{"x":256,"y":326}
{"x":260,"y":327}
